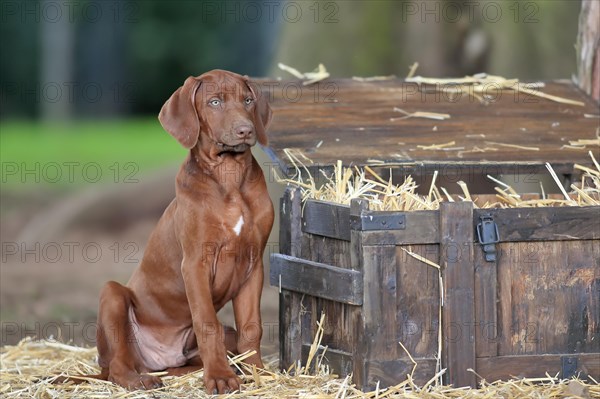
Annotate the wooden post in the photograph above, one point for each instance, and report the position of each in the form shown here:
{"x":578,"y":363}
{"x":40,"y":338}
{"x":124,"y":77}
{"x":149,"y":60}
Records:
{"x":290,"y":340}
{"x":361,"y":352}
{"x":380,"y":318}
{"x":588,"y":48}
{"x":458,"y":312}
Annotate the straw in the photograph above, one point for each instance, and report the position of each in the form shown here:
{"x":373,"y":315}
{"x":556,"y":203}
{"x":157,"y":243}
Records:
{"x":436,"y":146}
{"x":346,"y":184}
{"x":24,"y":369}
{"x":557,"y":181}
{"x":420,"y":114}
{"x":519,"y":147}
{"x":319,"y":74}
{"x":480,"y":85}
{"x":412,"y":70}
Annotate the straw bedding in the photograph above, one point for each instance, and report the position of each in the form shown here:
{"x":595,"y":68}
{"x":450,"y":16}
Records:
{"x":347,"y":183}
{"x":26,"y":366}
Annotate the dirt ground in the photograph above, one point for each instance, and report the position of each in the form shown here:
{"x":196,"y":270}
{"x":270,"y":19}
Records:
{"x":59,"y":247}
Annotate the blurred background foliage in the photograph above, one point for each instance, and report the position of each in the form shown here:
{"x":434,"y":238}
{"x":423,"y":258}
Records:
{"x":137,"y":52}
{"x":84,"y":67}
{"x":448,"y":38}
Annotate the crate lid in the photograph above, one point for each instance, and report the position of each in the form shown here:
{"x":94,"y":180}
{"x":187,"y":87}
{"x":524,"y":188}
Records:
{"x":355,"y":121}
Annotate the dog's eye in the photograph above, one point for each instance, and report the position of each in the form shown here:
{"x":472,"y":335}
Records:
{"x":215,"y":102}
{"x":249,"y":101}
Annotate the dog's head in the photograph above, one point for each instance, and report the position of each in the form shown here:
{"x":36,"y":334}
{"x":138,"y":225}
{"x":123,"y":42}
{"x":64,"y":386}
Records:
{"x":220,"y":109}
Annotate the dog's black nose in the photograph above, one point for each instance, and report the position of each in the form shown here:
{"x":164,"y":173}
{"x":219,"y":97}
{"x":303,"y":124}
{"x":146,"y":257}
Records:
{"x":244,"y":131}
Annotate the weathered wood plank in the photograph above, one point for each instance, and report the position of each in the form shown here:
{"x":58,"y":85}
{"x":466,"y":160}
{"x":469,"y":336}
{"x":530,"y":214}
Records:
{"x":326,"y":250}
{"x":504,"y":277}
{"x":549,"y":297}
{"x":545,"y":224}
{"x":531,"y":366}
{"x":357,"y":124}
{"x":340,"y":321}
{"x":481,"y":199}
{"x":473,"y":173}
{"x":333,"y":220}
{"x":289,"y":302}
{"x":326,"y":219}
{"x":340,"y":318}
{"x":378,"y":332}
{"x":308,"y":319}
{"x":526,"y":224}
{"x":360,"y":352}
{"x":418,"y":300}
{"x":486,"y":306}
{"x":317,"y":279}
{"x":380,"y":303}
{"x":289,"y":328}
{"x":456,"y":256}
{"x":289,"y":226}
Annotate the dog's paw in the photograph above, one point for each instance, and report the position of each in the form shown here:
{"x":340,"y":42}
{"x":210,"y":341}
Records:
{"x":221,"y":381}
{"x":150,"y":382}
{"x":134,"y":381}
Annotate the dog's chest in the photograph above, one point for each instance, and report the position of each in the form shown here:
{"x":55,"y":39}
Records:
{"x":236,"y":223}
{"x":237,"y":229}
{"x":236,"y":220}
{"x":238,"y":245}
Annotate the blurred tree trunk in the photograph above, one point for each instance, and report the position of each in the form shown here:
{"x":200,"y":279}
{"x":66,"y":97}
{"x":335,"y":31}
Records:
{"x":588,"y":48}
{"x":100,"y":65}
{"x":516,"y":39}
{"x":56,"y":74}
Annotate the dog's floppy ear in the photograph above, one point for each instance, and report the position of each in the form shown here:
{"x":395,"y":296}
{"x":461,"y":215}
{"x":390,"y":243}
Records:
{"x":262,"y":113}
{"x":179,"y":116}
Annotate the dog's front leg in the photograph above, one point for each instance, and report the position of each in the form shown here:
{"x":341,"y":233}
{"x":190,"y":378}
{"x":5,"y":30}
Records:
{"x":246,"y":307}
{"x":218,"y":376}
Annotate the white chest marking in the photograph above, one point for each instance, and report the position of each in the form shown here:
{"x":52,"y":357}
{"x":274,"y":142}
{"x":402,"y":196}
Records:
{"x":238,"y":226}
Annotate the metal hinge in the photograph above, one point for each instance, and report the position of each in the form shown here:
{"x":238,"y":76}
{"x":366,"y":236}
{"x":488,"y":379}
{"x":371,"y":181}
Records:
{"x":488,"y":235}
{"x":368,"y":221}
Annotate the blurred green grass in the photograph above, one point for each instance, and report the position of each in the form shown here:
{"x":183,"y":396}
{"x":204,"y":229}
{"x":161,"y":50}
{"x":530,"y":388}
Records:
{"x":82,"y":152}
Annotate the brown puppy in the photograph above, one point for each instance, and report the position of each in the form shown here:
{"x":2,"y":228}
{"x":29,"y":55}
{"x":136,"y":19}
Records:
{"x":207,"y":248}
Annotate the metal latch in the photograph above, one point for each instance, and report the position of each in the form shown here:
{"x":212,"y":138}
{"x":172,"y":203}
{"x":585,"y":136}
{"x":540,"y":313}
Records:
{"x":568,"y":366}
{"x":487,"y":233}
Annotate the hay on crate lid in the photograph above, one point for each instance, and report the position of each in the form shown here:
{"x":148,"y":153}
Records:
{"x":346,"y":184}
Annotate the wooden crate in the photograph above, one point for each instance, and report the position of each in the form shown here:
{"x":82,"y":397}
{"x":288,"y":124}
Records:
{"x":535,"y":309}
{"x":532,"y":309}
